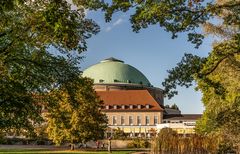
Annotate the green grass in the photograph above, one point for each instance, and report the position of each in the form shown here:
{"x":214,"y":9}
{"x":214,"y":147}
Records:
{"x":44,"y":151}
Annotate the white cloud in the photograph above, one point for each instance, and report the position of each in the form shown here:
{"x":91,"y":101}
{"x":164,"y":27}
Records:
{"x":116,"y":23}
{"x":108,"y":29}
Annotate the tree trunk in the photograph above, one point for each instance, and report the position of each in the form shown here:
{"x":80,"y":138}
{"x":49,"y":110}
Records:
{"x":72,"y":146}
{"x":109,"y":146}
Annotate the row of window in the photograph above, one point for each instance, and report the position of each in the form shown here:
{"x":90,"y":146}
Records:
{"x":189,"y":123}
{"x":131,"y":120}
{"x":115,"y":80}
{"x":139,"y":106}
{"x":172,"y":121}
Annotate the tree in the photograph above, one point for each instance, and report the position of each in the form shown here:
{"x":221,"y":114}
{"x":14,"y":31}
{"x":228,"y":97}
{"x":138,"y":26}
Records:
{"x":175,"y":16}
{"x":174,"y":106}
{"x":29,"y":69}
{"x":25,"y":80}
{"x":217,"y":77}
{"x":168,"y":141}
{"x":77,"y":115}
{"x":166,"y":106}
{"x":119,"y":134}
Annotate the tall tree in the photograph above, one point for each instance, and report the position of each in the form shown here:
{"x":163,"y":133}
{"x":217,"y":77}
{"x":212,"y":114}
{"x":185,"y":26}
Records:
{"x":30,"y":32}
{"x":76,"y":117}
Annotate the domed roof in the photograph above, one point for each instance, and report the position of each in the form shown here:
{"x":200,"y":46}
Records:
{"x":114,"y":71}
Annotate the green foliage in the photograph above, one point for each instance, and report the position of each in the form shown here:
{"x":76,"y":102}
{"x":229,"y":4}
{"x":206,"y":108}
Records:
{"x":2,"y":138}
{"x":220,"y":85}
{"x":76,"y":115}
{"x":174,"y":106}
{"x":217,"y":76}
{"x":119,"y":134}
{"x":182,"y":74}
{"x":225,"y":147}
{"x":30,"y":32}
{"x":40,"y":132}
{"x":139,"y":143}
{"x":175,"y":16}
{"x":168,"y":141}
{"x":166,"y":106}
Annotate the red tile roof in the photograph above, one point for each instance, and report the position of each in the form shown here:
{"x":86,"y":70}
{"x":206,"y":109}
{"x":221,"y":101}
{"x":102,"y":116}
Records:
{"x":127,"y":98}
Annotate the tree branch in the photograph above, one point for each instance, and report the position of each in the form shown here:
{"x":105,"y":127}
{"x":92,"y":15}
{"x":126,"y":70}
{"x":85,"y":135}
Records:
{"x":214,"y":68}
{"x":5,"y":33}
{"x":226,"y":5}
{"x":235,"y":62}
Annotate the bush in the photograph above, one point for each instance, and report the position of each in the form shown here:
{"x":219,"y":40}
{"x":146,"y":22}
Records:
{"x":119,"y":134}
{"x":168,"y":141}
{"x":41,"y":142}
{"x":225,"y":147}
{"x":139,"y":143}
{"x":3,"y":140}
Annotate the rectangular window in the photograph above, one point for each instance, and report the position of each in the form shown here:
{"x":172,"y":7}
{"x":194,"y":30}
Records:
{"x":130,"y":120}
{"x":131,"y":106}
{"x":138,"y":120}
{"x":122,"y":120}
{"x":155,"y":120}
{"x":139,"y":106}
{"x":147,"y":106}
{"x":114,"y":120}
{"x":147,"y":120}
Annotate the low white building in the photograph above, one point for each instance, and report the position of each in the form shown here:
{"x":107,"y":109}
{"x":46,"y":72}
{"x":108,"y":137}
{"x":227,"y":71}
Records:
{"x":182,"y":123}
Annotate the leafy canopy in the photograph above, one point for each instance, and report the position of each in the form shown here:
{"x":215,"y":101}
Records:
{"x":174,"y":16}
{"x":76,"y":116}
{"x":30,"y":32}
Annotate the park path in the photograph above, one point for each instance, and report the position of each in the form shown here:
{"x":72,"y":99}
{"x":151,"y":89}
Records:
{"x":47,"y":147}
{"x":141,"y":152}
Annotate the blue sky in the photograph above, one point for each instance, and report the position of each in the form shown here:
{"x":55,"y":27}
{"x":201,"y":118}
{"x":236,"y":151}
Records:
{"x":152,"y":51}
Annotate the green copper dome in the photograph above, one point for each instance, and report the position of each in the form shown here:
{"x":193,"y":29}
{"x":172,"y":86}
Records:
{"x":112,"y":70}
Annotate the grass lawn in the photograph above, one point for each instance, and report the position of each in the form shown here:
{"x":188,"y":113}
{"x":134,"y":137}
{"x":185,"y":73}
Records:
{"x":44,"y":151}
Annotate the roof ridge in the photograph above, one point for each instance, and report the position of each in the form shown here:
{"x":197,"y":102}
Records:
{"x":127,"y":97}
{"x":155,"y":101}
{"x":112,"y":59}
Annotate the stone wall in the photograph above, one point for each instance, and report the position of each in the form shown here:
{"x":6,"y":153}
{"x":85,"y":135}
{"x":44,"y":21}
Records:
{"x":115,"y":144}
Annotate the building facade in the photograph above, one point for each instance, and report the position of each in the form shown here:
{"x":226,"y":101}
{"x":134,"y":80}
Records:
{"x":133,"y":111}
{"x":183,"y":124}
{"x":131,"y":103}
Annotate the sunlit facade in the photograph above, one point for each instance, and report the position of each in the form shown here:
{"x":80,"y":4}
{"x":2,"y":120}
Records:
{"x":131,"y":103}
